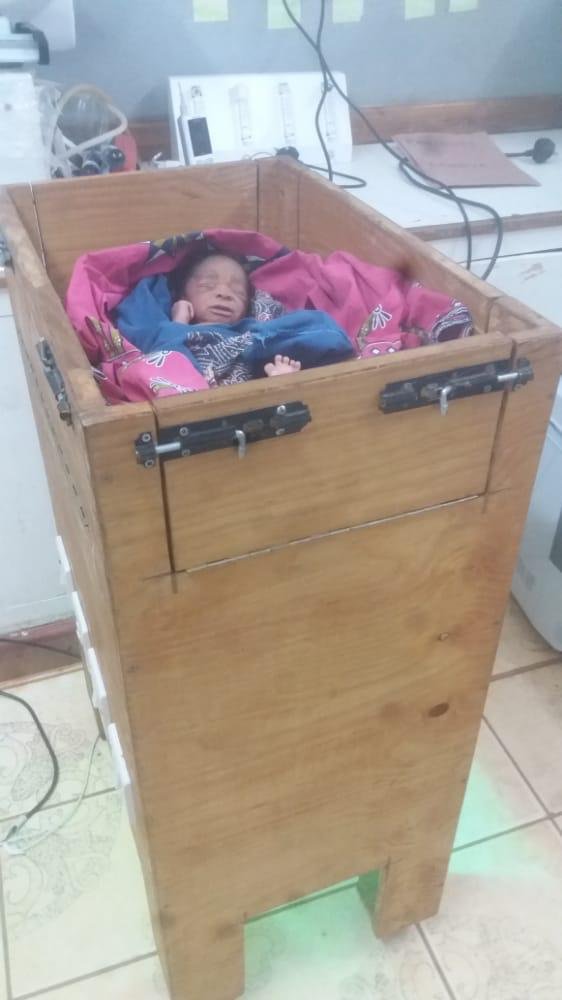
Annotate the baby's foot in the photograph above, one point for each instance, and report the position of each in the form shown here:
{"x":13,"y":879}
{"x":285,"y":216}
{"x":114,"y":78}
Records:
{"x":282,"y":366}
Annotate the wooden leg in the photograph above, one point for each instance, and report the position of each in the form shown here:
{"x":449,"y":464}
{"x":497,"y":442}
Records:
{"x":406,"y":891}
{"x":207,"y":962}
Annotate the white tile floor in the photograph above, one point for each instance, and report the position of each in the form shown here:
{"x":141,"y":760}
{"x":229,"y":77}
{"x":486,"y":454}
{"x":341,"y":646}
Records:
{"x":75,"y":923}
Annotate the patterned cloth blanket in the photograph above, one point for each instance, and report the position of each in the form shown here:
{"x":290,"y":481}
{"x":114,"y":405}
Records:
{"x":379,"y":309}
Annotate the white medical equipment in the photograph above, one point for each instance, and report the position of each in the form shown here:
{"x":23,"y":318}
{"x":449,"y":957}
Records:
{"x":231,"y":117}
{"x":29,"y":30}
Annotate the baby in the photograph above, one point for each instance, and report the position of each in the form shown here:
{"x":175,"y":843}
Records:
{"x":217,"y":290}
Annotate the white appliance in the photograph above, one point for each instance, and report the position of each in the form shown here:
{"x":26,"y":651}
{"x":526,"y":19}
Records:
{"x":221,"y":118}
{"x":49,"y":25}
{"x":23,"y":156}
{"x":55,"y":18}
{"x":537,"y":583}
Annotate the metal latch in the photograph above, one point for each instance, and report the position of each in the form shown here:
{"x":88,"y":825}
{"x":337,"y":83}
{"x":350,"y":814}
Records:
{"x":55,"y":380}
{"x":442,"y":387}
{"x":5,"y":255}
{"x":237,"y":430}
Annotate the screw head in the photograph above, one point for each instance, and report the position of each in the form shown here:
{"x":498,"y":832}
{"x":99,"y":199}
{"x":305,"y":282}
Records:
{"x":281,"y":410}
{"x":150,"y":463}
{"x":184,"y":431}
{"x":146,"y":437}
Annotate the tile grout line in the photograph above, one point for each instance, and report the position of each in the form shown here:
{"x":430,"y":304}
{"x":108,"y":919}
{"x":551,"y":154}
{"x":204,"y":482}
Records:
{"x":4,"y":931}
{"x":502,"y":833}
{"x":524,"y":670}
{"x":436,"y":962}
{"x":58,"y":805}
{"x":556,"y":827}
{"x":85,"y":977}
{"x":516,"y":766}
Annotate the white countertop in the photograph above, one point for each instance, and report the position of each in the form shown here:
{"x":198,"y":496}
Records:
{"x":391,"y":194}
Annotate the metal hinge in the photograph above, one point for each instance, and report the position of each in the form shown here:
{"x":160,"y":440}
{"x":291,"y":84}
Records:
{"x":238,"y":430}
{"x":442,"y":387}
{"x":55,"y":380}
{"x":5,"y":254}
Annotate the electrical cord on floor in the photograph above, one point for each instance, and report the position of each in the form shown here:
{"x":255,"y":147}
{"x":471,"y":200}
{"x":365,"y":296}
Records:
{"x":20,"y":845}
{"x":433,"y":185}
{"x":56,"y":770}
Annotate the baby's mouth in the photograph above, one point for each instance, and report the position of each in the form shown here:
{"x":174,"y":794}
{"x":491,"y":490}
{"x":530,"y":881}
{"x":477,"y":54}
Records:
{"x":224,"y":312}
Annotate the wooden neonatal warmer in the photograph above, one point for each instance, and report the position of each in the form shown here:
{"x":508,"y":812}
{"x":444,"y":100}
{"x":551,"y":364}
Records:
{"x":296,"y":646}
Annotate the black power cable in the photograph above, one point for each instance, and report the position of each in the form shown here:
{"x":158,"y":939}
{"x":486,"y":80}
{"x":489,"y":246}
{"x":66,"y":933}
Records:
{"x":56,"y":771}
{"x":325,"y":91}
{"x":405,"y":168}
{"x":358,"y":182}
{"x":293,"y":152}
{"x":36,"y":645}
{"x":12,"y":697}
{"x":430,"y":184}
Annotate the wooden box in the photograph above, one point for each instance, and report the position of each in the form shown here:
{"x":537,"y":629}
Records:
{"x":296,"y":646}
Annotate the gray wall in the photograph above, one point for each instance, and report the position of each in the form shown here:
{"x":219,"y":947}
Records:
{"x":505,"y":48}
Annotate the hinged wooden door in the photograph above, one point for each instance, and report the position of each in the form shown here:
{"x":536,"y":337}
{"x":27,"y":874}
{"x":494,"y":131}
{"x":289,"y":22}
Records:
{"x":352,"y":464}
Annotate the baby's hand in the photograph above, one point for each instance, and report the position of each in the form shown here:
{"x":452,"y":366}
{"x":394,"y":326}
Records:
{"x":182,"y":311}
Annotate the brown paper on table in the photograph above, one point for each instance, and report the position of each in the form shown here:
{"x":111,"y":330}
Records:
{"x":462,"y":160}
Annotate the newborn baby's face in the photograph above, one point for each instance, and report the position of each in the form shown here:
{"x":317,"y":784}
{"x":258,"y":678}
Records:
{"x":218,"y":291}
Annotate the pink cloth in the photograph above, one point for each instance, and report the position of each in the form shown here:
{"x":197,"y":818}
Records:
{"x":379,"y":309}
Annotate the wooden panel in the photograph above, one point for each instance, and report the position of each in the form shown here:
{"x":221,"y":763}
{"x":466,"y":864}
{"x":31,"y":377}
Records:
{"x":352,"y":464}
{"x":278,"y":200}
{"x":22,"y":197}
{"x":68,"y":476}
{"x":509,"y":114}
{"x":85,"y":547}
{"x":129,"y":497}
{"x":511,"y":316}
{"x":95,"y":212}
{"x":76,"y":459}
{"x":326,"y":702}
{"x":40,"y":315}
{"x":328,"y":221}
